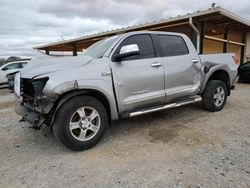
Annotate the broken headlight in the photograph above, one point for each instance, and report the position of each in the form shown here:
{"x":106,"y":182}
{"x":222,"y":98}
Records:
{"x":38,"y":85}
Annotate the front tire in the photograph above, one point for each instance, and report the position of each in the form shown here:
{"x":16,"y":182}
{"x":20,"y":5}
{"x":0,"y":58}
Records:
{"x":81,"y":123}
{"x":214,"y":96}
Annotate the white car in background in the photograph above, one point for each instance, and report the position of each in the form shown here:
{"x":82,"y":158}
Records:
{"x":8,"y":68}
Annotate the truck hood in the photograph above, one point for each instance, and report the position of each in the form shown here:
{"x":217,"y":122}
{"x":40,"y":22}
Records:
{"x":47,"y":64}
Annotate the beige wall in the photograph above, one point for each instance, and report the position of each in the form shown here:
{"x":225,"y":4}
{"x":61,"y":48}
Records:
{"x":247,"y":48}
{"x":211,"y":46}
{"x":235,"y":36}
{"x":232,"y":48}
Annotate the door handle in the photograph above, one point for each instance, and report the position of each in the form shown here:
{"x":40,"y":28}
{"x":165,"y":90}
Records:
{"x":156,"y":64}
{"x":194,"y":61}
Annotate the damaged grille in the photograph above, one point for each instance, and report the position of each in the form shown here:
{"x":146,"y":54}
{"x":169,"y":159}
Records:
{"x":32,"y":94}
{"x":33,"y":88}
{"x":27,"y":89}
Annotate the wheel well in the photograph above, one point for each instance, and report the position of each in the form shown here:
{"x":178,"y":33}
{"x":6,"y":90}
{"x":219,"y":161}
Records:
{"x":68,"y":95}
{"x":102,"y":98}
{"x":223,"y":76}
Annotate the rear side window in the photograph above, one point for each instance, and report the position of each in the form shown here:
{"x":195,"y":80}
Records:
{"x":144,"y":43}
{"x":172,"y":45}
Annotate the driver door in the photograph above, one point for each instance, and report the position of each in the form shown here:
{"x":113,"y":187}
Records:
{"x":138,"y":79}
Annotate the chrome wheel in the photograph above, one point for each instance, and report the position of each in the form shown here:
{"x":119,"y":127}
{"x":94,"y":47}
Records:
{"x":219,"y":96}
{"x":84,"y":123}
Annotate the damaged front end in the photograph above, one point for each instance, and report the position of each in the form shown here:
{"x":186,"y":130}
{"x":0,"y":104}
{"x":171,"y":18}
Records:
{"x":34,"y":107}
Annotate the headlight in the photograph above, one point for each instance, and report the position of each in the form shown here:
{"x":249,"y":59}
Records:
{"x":38,"y":85}
{"x":17,"y":84}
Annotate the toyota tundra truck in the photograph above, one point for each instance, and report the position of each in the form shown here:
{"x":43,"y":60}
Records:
{"x":122,"y":76}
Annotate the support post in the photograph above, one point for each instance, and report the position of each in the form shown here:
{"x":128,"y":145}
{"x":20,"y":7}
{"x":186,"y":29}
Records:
{"x":242,"y":48}
{"x":47,"y":51}
{"x":225,"y":44}
{"x":197,"y":33}
{"x":74,"y":50}
{"x":202,"y":24}
{"x":194,"y":38}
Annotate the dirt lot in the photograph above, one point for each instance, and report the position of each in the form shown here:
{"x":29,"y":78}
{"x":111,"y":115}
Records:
{"x":183,"y":147}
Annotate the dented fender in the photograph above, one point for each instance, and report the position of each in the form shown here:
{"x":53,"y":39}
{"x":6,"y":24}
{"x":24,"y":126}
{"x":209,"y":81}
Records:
{"x":54,"y":92}
{"x":212,"y":68}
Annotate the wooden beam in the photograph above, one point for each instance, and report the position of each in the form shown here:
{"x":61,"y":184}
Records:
{"x":215,"y":38}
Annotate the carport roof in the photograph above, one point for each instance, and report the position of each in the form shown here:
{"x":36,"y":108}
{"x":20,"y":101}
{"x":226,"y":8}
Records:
{"x":216,"y":15}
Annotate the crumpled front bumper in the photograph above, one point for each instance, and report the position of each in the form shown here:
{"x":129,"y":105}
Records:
{"x":30,"y":115}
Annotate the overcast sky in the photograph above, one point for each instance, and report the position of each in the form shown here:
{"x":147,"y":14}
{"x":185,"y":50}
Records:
{"x":27,"y":23}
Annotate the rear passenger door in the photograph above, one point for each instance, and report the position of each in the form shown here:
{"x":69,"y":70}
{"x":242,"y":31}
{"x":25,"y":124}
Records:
{"x":181,"y":67}
{"x":138,"y":80}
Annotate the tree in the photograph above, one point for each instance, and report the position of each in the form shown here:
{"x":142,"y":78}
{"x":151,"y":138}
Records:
{"x":13,"y":58}
{"x":2,"y":61}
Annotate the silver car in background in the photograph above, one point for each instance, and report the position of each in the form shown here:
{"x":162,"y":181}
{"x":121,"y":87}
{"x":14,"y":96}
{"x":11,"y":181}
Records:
{"x":9,"y":68}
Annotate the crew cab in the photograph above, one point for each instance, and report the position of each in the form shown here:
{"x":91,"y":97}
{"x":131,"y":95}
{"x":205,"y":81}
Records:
{"x":120,"y":77}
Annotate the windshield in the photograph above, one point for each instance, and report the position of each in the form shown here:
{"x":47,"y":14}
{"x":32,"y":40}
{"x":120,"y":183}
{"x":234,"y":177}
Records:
{"x":98,"y":49}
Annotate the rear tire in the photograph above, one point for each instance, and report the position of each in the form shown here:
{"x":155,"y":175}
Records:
{"x":81,"y":123}
{"x":214,"y":96}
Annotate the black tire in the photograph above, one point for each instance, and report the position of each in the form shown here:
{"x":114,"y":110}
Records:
{"x":208,"y":95}
{"x":63,"y":117}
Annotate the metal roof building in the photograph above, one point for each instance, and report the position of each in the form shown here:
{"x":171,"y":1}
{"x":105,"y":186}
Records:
{"x":215,"y":30}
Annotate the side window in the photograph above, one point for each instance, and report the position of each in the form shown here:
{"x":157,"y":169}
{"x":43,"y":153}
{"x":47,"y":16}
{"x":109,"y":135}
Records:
{"x":172,"y":45}
{"x":144,"y":43}
{"x":20,"y":66}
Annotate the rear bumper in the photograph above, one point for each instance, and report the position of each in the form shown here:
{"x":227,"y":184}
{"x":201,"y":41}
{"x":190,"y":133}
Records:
{"x":30,"y":116}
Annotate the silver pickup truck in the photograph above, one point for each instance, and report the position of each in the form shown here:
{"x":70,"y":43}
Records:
{"x":120,"y":77}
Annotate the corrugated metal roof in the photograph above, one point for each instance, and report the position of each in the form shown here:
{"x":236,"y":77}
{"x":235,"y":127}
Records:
{"x":171,"y":19}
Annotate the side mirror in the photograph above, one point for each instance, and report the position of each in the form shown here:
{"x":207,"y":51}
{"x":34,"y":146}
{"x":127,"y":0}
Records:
{"x":127,"y":51}
{"x":4,"y":69}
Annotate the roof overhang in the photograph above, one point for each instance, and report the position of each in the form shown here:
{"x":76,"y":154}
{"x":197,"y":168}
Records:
{"x":214,"y":16}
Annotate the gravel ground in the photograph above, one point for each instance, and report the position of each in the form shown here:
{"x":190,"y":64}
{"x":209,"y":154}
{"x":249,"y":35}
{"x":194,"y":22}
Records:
{"x":182,"y":147}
